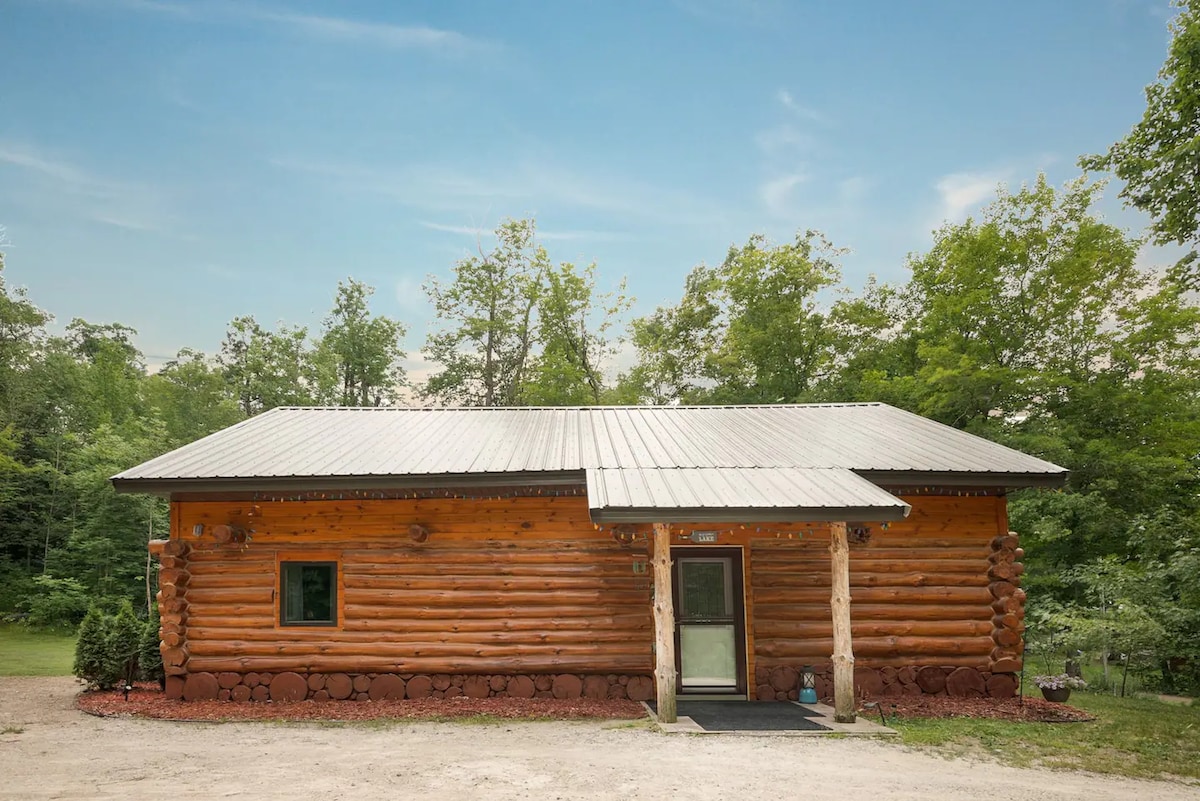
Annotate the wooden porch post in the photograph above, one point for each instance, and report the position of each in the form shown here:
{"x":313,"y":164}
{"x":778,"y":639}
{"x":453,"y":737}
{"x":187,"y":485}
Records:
{"x":664,"y":624}
{"x":843,"y":648}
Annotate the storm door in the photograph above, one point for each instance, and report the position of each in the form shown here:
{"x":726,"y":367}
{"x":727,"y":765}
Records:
{"x":710,"y":624}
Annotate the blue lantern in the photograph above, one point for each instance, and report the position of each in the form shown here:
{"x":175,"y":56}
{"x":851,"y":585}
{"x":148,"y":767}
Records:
{"x":808,"y":686}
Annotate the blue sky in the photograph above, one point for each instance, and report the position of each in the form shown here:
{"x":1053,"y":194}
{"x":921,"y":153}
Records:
{"x":171,"y":165}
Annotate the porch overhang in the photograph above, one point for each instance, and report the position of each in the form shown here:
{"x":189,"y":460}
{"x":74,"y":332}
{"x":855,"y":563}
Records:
{"x":737,"y":494}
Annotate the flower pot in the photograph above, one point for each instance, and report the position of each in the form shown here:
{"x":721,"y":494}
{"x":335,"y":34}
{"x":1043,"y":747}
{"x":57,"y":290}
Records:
{"x":1059,"y":694}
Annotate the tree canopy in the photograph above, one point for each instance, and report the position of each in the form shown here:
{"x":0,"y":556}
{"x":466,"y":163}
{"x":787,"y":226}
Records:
{"x":1159,"y":160}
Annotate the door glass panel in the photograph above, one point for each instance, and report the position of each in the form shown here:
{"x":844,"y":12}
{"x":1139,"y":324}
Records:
{"x":704,"y":589}
{"x":708,"y":656}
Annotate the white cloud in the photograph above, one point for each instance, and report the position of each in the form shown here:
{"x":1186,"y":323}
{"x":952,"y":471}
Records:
{"x":960,"y":193}
{"x":402,"y":37}
{"x":783,"y":140}
{"x":522,"y":188}
{"x":853,"y":190}
{"x":69,"y":189}
{"x":19,"y":156}
{"x":477,"y":232}
{"x":411,"y":295}
{"x":329,"y":28}
{"x":789,"y":102}
{"x":777,"y":193}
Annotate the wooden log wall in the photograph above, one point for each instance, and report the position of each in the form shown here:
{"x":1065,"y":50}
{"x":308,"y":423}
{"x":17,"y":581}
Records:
{"x":938,"y":590}
{"x":500,"y":586}
{"x":527,"y":586}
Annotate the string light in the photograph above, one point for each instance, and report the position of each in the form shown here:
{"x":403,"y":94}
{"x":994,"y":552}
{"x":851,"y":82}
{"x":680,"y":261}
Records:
{"x":422,"y":494}
{"x":959,"y":493}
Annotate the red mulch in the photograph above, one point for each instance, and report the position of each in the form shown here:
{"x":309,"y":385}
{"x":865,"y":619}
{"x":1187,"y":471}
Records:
{"x":147,"y":701}
{"x":1034,"y":710}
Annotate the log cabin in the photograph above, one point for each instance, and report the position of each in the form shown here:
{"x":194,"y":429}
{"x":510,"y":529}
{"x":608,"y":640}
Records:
{"x":646,"y":553}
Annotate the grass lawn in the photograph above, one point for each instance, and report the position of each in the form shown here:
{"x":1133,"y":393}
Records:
{"x":35,"y":653}
{"x":1130,"y":737}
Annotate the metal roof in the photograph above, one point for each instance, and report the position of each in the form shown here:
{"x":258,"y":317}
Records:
{"x":705,"y":494}
{"x":395,"y":446}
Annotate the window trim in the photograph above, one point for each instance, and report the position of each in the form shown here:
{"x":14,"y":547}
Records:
{"x":323,"y":558}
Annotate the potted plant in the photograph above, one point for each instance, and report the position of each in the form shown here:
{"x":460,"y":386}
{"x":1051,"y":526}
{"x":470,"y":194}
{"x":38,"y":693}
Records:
{"x":1058,"y":688}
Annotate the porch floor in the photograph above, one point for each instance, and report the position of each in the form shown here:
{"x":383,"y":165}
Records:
{"x":773,"y":718}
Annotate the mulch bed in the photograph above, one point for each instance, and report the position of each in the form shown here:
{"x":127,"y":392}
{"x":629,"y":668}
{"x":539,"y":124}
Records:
{"x":1034,"y":710}
{"x":147,"y":701}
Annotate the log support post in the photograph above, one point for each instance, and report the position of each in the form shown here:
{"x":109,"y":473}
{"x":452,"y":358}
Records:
{"x":843,"y":649}
{"x":664,"y":625}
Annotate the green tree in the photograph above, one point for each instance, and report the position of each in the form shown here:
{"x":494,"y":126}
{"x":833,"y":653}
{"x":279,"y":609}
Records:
{"x":91,"y":650}
{"x":1159,"y":160}
{"x":150,"y":662}
{"x":1004,"y":310}
{"x":359,"y":354}
{"x":264,"y":369}
{"x":190,"y":395}
{"x":753,"y":330}
{"x":124,"y":644}
{"x":22,"y":329}
{"x":109,"y":372}
{"x":486,"y":319}
{"x":574,"y":322}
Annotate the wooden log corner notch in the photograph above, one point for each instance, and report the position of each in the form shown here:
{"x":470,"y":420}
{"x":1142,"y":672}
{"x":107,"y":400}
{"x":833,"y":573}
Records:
{"x":418,"y":533}
{"x":230,"y":533}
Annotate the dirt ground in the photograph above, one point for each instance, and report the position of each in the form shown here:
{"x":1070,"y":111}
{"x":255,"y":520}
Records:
{"x":49,"y":750}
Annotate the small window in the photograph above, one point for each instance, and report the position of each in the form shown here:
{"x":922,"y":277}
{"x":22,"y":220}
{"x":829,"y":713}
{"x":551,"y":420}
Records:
{"x":308,"y":593}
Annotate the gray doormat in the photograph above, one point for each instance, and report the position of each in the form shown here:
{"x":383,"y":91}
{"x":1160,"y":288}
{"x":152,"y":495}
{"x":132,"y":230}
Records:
{"x":747,"y":715}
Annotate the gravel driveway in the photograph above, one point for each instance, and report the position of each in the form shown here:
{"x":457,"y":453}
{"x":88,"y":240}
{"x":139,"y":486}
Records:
{"x":58,"y":752}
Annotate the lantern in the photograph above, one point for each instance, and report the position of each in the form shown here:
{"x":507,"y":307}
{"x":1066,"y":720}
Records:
{"x":808,"y":686}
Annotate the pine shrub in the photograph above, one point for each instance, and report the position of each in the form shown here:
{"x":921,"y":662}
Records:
{"x":91,"y":650}
{"x":150,"y":656}
{"x":124,"y":644}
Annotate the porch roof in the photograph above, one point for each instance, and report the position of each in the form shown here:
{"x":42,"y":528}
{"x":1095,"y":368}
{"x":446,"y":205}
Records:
{"x":711,"y":494}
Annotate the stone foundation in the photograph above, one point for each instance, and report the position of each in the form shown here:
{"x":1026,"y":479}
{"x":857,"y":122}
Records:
{"x":782,"y":683}
{"x":288,"y":686}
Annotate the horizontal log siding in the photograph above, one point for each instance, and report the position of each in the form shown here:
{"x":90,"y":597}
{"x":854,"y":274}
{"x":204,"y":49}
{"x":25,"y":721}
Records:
{"x":919,"y":590}
{"x":513,"y":585}
{"x":529,"y":585}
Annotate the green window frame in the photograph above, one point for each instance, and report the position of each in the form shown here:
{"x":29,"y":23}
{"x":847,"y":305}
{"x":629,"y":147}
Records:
{"x":308,"y":593}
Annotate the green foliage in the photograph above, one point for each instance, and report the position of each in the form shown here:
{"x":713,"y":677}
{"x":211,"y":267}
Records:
{"x":512,"y":330}
{"x":1160,"y":158}
{"x":749,"y":331}
{"x":125,"y":633}
{"x":108,"y":646}
{"x":574,"y":322}
{"x":55,"y":602}
{"x":92,"y":662}
{"x":358,"y":355}
{"x":264,"y":369}
{"x":150,"y":664}
{"x":486,"y":321}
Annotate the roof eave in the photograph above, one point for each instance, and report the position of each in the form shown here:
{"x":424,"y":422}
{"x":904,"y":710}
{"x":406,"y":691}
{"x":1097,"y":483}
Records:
{"x":909,"y":478}
{"x":758,"y":514}
{"x":169,"y":486}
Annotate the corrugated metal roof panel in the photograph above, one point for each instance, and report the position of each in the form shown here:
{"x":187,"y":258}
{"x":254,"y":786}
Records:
{"x":699,"y":494}
{"x":401,"y":442}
